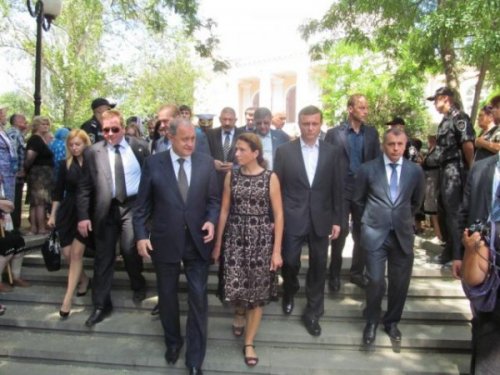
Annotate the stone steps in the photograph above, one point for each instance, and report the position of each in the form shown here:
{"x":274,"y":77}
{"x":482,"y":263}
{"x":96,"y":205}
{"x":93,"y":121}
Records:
{"x":435,"y":327}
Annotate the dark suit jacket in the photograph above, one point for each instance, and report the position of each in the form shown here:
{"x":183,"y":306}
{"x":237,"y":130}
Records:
{"x":95,"y":190}
{"x":159,"y":199}
{"x":214,"y":137}
{"x":478,"y":192}
{"x":372,"y":199}
{"x":337,"y":136}
{"x":321,"y":202}
{"x":278,"y":138}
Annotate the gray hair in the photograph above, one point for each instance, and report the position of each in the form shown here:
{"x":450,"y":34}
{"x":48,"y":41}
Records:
{"x":179,"y":121}
{"x":262,"y":112}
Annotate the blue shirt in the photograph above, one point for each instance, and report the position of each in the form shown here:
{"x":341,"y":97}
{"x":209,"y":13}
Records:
{"x":356,"y":143}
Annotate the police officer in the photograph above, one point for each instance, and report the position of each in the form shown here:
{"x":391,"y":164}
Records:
{"x":93,"y":126}
{"x":455,"y":149}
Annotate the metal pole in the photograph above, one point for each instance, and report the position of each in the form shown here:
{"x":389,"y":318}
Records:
{"x":38,"y":61}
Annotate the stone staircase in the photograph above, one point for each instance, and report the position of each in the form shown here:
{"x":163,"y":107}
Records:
{"x":435,"y":327}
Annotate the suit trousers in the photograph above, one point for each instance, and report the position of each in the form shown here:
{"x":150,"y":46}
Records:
{"x":167,"y":276}
{"x":118,"y":225}
{"x":337,"y":245}
{"x":316,"y":274}
{"x":399,"y":271}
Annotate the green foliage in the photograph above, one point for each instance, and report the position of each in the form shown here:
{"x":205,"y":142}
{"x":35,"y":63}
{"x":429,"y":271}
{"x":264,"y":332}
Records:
{"x":437,"y":36}
{"x":18,"y":103}
{"x":75,"y":63}
{"x":160,"y":83}
{"x":390,"y":90}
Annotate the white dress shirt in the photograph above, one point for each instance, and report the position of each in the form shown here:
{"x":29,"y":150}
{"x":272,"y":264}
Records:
{"x":176,"y":165}
{"x":310,"y":155}
{"x":131,"y":167}
{"x":388,"y":168}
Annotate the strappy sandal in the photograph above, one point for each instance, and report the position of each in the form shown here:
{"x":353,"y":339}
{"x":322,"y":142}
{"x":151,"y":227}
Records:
{"x":250,"y":361}
{"x":238,"y":330}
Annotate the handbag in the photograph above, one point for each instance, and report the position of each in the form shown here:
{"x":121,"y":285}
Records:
{"x":51,"y":251}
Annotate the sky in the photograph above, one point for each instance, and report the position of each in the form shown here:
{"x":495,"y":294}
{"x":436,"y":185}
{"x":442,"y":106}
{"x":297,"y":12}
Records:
{"x":269,"y":25}
{"x":243,"y":26}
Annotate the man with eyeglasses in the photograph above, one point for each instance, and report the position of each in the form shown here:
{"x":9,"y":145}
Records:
{"x":105,"y":199}
{"x":93,"y":126}
{"x":270,"y":138}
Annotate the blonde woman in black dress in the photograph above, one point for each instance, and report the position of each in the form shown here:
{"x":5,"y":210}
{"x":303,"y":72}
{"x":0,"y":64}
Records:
{"x":249,"y":240}
{"x":63,"y":217}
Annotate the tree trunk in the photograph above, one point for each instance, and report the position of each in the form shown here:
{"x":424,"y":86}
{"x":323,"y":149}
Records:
{"x":479,"y":86}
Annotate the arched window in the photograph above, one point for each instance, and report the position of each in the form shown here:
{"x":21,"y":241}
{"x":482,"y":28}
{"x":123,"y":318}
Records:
{"x":256,"y":100}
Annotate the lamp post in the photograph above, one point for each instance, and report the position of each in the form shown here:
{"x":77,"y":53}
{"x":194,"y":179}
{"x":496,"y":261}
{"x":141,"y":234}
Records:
{"x":45,"y":11}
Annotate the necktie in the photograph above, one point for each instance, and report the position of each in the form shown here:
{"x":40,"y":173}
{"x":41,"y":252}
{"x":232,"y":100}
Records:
{"x":182,"y":180}
{"x":227,"y":145}
{"x":393,"y":186}
{"x":120,"y":186}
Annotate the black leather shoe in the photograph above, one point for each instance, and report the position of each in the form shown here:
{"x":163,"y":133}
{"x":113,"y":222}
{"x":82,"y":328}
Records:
{"x":393,"y":331}
{"x":98,"y":315}
{"x":312,"y":326}
{"x":287,"y":304}
{"x":139,"y":295}
{"x":369,"y":333}
{"x":334,"y":284}
{"x":172,"y":353}
{"x":156,"y":310}
{"x":195,"y":371}
{"x":359,"y":280}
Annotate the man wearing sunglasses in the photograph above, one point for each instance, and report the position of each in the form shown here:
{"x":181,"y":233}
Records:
{"x":105,"y":200}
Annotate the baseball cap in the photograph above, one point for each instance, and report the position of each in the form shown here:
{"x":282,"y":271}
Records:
{"x":446,"y":91}
{"x":101,"y":101}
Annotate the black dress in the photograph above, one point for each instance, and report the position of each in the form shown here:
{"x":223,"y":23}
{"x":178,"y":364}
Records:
{"x":65,"y":193}
{"x":248,"y":243}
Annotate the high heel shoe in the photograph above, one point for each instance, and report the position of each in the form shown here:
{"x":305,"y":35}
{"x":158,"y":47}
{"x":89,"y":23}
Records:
{"x":89,"y":285}
{"x":64,"y":314}
{"x":250,"y":361}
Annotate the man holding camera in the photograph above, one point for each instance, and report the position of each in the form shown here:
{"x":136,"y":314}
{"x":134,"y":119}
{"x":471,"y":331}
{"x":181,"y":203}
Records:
{"x":480,"y":216}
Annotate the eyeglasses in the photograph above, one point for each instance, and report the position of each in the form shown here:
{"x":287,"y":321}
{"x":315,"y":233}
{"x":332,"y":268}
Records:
{"x":114,"y":129}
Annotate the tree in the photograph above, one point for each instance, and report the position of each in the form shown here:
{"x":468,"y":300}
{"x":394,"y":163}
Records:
{"x":390,"y":90}
{"x":17,"y":103}
{"x":441,"y":36}
{"x":80,"y":51}
{"x":165,"y":81}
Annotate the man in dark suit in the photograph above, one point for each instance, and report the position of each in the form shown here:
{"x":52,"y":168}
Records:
{"x":179,"y":199}
{"x":105,"y":199}
{"x":358,"y":143}
{"x":388,"y":191}
{"x":270,"y":138}
{"x":311,"y":182}
{"x":221,"y":142}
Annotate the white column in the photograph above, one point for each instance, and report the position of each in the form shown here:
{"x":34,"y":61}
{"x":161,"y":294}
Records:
{"x":278,"y":95}
{"x":265,"y":90}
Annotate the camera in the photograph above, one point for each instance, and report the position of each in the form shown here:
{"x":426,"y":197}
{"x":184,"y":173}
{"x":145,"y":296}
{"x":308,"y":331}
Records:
{"x":482,"y":228}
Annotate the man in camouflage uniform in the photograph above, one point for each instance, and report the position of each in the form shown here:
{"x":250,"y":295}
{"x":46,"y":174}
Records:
{"x":455,"y":148}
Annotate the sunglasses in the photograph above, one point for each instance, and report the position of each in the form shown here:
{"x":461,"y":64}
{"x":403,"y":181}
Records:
{"x":114,"y":129}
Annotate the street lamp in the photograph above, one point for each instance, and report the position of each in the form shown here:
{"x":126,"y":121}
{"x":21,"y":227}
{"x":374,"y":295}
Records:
{"x":45,"y":11}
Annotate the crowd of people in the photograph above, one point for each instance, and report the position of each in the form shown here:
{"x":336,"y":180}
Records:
{"x":249,"y":198}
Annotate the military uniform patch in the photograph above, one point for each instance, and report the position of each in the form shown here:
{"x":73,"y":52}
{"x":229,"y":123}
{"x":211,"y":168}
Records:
{"x":461,"y":125}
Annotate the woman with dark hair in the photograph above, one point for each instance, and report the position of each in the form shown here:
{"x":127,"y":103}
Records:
{"x":249,"y":241}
